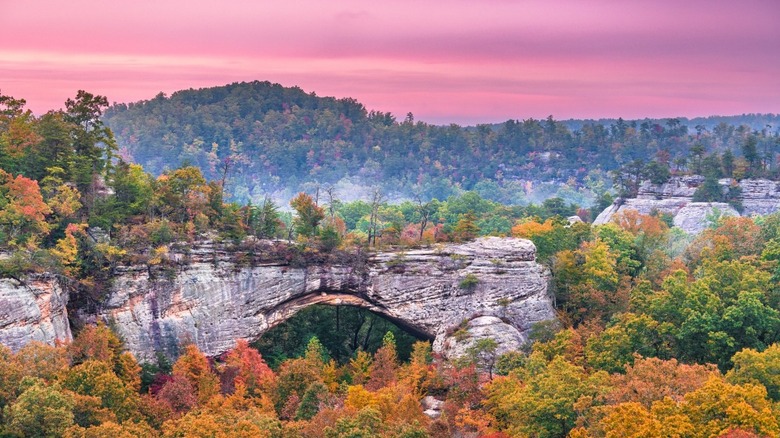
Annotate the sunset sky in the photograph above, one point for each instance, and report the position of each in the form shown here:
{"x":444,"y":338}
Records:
{"x":445,"y":61}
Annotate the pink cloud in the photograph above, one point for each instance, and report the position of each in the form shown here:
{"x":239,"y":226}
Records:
{"x":455,"y":61}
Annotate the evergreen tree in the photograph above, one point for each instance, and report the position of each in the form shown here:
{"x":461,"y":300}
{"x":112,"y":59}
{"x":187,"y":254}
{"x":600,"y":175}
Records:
{"x":750,"y":152}
{"x":466,"y":228}
{"x":709,"y":191}
{"x":727,"y":161}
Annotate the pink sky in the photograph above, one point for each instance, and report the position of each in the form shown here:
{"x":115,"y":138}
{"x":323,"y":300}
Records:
{"x":460,"y":61}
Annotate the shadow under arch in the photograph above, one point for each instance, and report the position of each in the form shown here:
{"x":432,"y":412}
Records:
{"x":343,"y":323}
{"x":288,"y":309}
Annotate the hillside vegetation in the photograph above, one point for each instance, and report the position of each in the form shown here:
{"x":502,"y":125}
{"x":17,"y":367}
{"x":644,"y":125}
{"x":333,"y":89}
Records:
{"x":266,"y":138}
{"x":659,"y":334}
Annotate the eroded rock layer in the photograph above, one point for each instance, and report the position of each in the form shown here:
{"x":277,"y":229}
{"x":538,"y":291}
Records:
{"x":758,"y":197}
{"x":213,"y":300}
{"x":33,"y":309}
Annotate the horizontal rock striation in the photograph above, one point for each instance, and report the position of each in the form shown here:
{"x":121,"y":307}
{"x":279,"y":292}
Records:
{"x":758,"y":197}
{"x":213,"y":299}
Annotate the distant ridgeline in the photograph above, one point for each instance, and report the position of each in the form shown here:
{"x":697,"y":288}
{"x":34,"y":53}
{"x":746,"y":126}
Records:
{"x":264,"y":138}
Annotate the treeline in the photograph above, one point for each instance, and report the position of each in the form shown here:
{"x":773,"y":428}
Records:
{"x":268,"y":138}
{"x":69,"y":204}
{"x":659,"y":336}
{"x":659,"y":332}
{"x":752,"y":163}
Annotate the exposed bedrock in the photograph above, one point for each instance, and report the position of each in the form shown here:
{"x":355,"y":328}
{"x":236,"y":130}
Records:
{"x":213,"y":301}
{"x":758,"y":197}
{"x":33,"y":309}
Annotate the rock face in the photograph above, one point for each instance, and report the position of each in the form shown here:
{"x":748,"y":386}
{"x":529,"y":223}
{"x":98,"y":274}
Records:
{"x":432,"y":406}
{"x":506,"y":336}
{"x":758,"y":197}
{"x":214,"y":300}
{"x":33,"y":310}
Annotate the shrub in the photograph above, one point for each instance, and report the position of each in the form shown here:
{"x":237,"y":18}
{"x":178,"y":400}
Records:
{"x":470,"y":281}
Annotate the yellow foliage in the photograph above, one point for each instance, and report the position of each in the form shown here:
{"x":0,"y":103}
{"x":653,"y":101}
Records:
{"x":111,"y":429}
{"x":111,"y":253}
{"x":37,"y":359}
{"x":358,"y":398}
{"x":65,"y":201}
{"x":194,"y":366}
{"x":360,"y":367}
{"x":709,"y":411}
{"x":330,"y":375}
{"x":158,"y":255}
{"x":630,"y":420}
{"x":67,"y":249}
{"x":530,"y":229}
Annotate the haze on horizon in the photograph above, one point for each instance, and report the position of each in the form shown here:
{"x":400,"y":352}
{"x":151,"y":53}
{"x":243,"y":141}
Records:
{"x":447,"y":62}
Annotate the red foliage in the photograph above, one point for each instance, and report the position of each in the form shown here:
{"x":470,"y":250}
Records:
{"x":179,"y":394}
{"x":247,"y":366}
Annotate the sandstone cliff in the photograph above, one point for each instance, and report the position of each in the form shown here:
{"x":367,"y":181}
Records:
{"x":758,"y":197}
{"x":212,"y":300}
{"x":213,"y":296}
{"x":33,"y":310}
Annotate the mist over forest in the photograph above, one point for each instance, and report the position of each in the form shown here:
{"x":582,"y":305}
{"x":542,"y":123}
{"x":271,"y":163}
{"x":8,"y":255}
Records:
{"x":273,"y":140}
{"x":128,"y":221}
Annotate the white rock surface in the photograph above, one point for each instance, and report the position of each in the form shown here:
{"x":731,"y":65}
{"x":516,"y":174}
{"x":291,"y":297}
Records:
{"x":507,"y":337}
{"x":33,"y":311}
{"x":693,"y":218}
{"x":432,"y":406}
{"x":214,"y":304}
{"x":759,"y":197}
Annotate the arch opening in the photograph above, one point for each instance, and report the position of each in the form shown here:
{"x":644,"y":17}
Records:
{"x":342,"y":328}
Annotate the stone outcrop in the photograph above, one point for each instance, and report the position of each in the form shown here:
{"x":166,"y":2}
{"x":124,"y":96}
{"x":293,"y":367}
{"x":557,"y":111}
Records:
{"x":33,"y":310}
{"x":758,"y":197}
{"x":432,"y":407}
{"x":453,"y":294}
{"x":214,"y":300}
{"x":507,"y":337}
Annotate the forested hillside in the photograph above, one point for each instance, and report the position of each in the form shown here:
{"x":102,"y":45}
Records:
{"x":267,"y":139}
{"x":659,"y":333}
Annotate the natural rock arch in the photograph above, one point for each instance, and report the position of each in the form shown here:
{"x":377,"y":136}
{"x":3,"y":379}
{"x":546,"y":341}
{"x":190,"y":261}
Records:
{"x":288,"y":310}
{"x":215,"y":297}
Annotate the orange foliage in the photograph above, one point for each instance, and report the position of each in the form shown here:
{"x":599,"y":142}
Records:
{"x":251,"y":370}
{"x":195,"y":368}
{"x":738,"y":433}
{"x":94,"y":342}
{"x":530,"y":229}
{"x":636,"y":223}
{"x":23,"y":213}
{"x":435,"y":233}
{"x":735,"y":237}
{"x":19,"y":135}
{"x":178,"y":393}
{"x":652,"y":379}
{"x":382,"y":371}
{"x":40,"y":360}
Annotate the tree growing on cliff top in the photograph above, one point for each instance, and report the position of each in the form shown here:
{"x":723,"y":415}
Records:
{"x":22,"y":210}
{"x":309,"y":215}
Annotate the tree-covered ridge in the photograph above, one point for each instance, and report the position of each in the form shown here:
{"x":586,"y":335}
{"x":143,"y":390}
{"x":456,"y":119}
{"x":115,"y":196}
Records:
{"x":659,"y":332}
{"x":659,"y":336}
{"x":280,"y":138}
{"x":62,"y":188}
